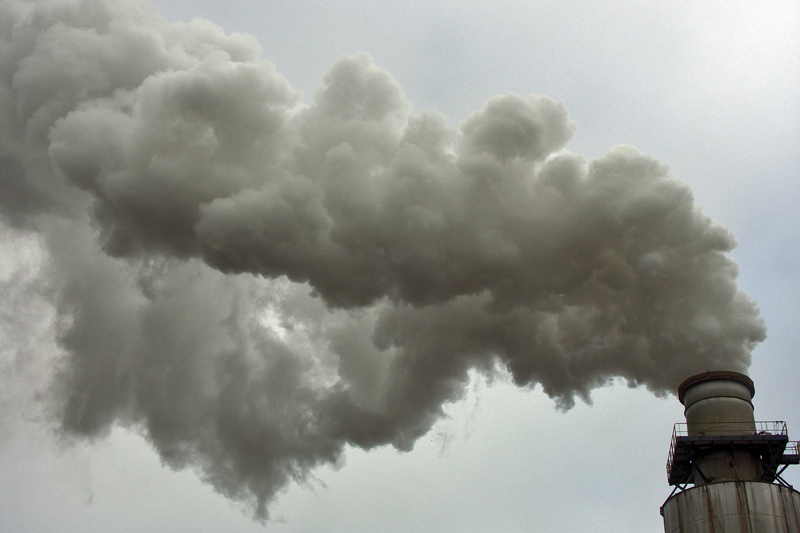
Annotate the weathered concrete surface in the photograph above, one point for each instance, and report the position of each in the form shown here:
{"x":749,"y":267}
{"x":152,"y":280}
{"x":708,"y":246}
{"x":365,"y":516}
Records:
{"x":733,"y":507}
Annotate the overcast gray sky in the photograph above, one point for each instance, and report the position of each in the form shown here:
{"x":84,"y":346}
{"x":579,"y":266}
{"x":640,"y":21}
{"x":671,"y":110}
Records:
{"x":710,"y":89}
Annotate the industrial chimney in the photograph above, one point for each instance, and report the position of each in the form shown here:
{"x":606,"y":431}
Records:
{"x":733,"y":462}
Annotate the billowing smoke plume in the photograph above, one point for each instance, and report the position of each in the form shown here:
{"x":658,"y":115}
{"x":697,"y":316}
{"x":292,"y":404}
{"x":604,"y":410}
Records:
{"x":256,"y":283}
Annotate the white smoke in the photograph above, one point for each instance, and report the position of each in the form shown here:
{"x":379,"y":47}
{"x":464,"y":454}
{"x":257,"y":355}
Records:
{"x":256,"y":283}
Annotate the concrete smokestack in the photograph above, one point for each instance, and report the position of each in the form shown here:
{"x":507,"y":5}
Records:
{"x":719,"y":404}
{"x":733,"y":461}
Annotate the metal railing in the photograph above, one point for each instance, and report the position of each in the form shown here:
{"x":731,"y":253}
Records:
{"x":792,"y":448}
{"x":698,"y":429}
{"x":720,"y":429}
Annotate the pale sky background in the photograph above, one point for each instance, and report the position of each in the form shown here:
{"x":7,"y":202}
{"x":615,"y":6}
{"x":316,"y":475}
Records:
{"x":712,"y":89}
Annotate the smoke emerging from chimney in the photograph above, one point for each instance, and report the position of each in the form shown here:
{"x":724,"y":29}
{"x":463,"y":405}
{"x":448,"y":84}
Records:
{"x":256,"y":283}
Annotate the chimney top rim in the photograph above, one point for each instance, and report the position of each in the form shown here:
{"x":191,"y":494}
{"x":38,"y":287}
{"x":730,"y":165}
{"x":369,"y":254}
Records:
{"x":715,"y":375}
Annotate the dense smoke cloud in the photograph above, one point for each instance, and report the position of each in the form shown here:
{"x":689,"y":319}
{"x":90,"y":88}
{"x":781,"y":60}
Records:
{"x":256,"y":283}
